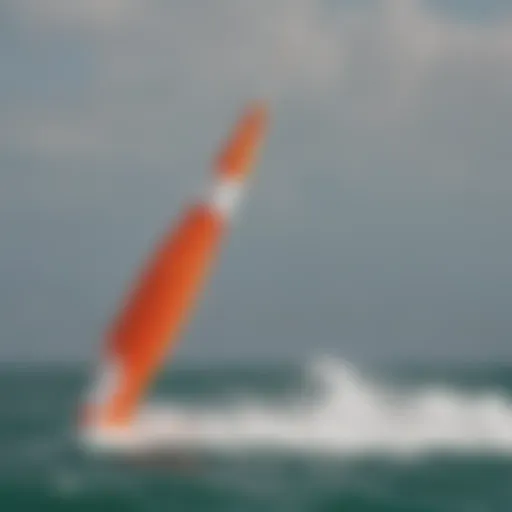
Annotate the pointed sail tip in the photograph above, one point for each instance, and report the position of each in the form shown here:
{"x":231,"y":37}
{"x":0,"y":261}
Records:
{"x":258,"y":111}
{"x":236,"y":158}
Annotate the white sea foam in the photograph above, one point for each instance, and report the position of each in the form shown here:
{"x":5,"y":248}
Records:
{"x":350,"y":414}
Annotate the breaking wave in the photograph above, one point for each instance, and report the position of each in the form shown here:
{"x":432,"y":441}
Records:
{"x":347,"y":414}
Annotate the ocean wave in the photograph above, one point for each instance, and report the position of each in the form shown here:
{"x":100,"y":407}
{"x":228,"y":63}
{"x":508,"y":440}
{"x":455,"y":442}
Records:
{"x":349,"y":413}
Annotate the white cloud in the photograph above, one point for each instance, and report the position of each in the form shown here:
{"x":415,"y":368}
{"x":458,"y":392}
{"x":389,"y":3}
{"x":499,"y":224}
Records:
{"x":384,"y":83}
{"x":65,"y":14}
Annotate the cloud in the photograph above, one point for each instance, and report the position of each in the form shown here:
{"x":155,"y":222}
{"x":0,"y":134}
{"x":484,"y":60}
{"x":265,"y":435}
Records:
{"x":378,"y":57}
{"x":390,"y":84}
{"x":64,"y":15}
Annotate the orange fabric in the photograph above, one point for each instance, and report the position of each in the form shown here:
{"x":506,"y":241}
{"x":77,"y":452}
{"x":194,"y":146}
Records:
{"x":159,"y":307}
{"x":163,"y":299}
{"x":236,"y":159}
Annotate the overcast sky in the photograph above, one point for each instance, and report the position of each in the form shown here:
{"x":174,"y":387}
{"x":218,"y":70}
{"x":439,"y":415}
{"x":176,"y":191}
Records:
{"x":378,"y":225}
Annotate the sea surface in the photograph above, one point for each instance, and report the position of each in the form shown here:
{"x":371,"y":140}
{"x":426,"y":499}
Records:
{"x":319,"y":436}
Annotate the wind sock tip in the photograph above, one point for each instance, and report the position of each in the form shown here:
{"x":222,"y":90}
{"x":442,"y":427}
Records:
{"x":237,"y":156}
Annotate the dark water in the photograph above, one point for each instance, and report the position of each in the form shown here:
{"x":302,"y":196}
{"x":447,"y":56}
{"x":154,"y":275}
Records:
{"x":41,"y":468}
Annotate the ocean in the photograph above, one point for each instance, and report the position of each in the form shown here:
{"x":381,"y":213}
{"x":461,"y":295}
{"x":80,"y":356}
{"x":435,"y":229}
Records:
{"x":319,"y":436}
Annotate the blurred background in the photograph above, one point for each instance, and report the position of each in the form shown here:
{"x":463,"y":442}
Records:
{"x":377,"y":231}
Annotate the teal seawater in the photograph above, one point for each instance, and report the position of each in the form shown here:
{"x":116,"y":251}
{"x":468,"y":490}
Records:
{"x":42,"y":469}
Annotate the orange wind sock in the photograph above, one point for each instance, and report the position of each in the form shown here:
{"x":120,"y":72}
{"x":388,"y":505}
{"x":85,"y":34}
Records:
{"x":163,"y":298}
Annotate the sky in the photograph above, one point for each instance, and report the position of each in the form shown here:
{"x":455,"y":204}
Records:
{"x":377,"y":226}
